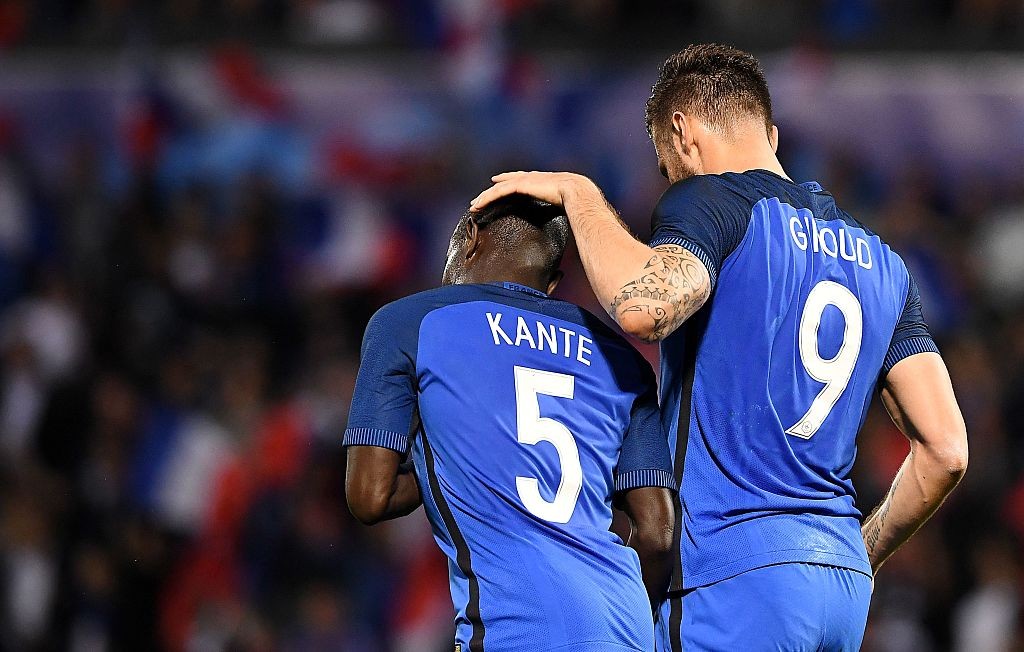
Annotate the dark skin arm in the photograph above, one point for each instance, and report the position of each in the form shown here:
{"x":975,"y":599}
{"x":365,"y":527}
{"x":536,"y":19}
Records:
{"x":651,"y":512}
{"x":378,"y":487}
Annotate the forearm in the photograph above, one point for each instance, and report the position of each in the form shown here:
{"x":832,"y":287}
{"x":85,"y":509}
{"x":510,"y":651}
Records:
{"x":405,"y":495}
{"x":611,"y":256}
{"x":378,"y":486}
{"x":648,"y":292}
{"x":655,"y":564}
{"x":922,"y":484}
{"x":651,"y":512}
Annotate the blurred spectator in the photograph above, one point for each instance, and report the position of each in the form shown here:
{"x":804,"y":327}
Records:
{"x":441,"y":23}
{"x":986,"y":620}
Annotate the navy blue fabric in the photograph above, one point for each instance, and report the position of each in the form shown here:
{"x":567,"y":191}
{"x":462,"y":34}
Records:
{"x":644,"y":448}
{"x":385,"y":386}
{"x":703,"y":215}
{"x":911,"y":335}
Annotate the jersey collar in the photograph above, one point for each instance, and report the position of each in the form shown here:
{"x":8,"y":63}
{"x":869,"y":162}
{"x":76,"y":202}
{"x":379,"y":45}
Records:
{"x":521,"y":288}
{"x":810,"y":186}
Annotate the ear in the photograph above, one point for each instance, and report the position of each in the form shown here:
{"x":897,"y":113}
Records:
{"x":773,"y":138}
{"x":681,"y":133}
{"x":556,"y":277}
{"x":472,"y":239}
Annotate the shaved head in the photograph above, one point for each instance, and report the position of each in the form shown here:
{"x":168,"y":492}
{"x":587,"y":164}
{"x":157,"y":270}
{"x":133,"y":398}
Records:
{"x":518,"y":230}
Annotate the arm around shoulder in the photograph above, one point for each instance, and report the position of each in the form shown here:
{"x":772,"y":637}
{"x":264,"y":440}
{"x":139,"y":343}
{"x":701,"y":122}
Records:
{"x":648,"y":292}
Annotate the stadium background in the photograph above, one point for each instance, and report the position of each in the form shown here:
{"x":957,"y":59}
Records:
{"x":201,"y":203}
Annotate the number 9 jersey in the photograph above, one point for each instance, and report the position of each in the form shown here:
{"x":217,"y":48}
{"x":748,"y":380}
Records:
{"x":524,"y":415}
{"x":765,"y":389}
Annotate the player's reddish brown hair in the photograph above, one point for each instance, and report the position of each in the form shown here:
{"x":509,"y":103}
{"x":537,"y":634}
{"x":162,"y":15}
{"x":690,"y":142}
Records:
{"x":716,"y":83}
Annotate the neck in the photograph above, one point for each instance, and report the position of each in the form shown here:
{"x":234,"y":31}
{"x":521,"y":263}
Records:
{"x":516,"y":275}
{"x":750,"y":151}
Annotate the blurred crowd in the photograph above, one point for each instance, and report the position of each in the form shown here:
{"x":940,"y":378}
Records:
{"x":182,"y":294}
{"x":566,"y":23}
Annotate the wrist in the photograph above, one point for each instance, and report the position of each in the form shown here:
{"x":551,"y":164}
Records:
{"x":578,"y":190}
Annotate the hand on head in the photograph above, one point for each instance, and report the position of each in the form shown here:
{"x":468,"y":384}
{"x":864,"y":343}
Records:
{"x":551,"y":187}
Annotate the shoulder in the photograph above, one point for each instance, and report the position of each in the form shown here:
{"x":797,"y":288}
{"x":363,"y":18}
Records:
{"x":714,"y":194}
{"x":854,"y":222}
{"x":401,"y":318}
{"x":892,"y":260}
{"x":702,"y":188}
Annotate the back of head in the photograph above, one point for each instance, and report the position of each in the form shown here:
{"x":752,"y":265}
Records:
{"x":521,"y":230}
{"x":719,"y":84}
{"x":518,"y":220}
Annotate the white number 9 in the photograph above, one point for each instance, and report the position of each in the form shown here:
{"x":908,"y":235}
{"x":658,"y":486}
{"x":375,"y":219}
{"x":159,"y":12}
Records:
{"x":835,"y":373}
{"x":533,"y":428}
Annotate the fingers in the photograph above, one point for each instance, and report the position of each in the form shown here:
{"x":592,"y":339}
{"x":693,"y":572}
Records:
{"x":504,"y":176}
{"x":495,"y":192}
{"x":544,"y":186}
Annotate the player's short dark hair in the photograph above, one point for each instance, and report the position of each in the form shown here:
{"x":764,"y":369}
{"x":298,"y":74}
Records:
{"x":512,"y":218}
{"x":716,"y":83}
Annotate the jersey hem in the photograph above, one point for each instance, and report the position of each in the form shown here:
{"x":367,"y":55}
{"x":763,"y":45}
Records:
{"x":693,"y":248}
{"x":390,"y":439}
{"x":908,"y":347}
{"x":773,"y":558}
{"x":645,"y":478}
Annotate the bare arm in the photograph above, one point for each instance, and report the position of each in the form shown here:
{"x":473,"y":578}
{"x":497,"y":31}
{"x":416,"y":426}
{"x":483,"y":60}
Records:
{"x":377,"y":486}
{"x":651,"y":513}
{"x":919,"y":397}
{"x":648,"y":292}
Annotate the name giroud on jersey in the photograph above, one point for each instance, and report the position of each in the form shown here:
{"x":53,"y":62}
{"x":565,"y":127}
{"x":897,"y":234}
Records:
{"x":838,"y":243}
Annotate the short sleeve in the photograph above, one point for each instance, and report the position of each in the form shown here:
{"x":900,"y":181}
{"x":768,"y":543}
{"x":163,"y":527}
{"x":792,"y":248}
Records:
{"x":384,"y":402}
{"x":911,"y":335}
{"x":704,"y":217}
{"x":644,"y":460}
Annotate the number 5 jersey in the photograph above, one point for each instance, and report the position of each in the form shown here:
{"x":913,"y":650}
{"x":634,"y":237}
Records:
{"x":765,"y":389}
{"x":524,"y":416}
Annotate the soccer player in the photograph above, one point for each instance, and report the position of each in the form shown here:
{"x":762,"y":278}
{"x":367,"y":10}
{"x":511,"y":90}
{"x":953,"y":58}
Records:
{"x":779,"y":315}
{"x":525,"y":416}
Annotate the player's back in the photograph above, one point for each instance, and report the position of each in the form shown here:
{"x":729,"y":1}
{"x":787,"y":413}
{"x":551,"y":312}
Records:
{"x":523,"y":403}
{"x":777,"y":373}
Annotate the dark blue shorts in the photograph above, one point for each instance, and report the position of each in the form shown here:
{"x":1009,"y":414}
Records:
{"x":792,"y":607}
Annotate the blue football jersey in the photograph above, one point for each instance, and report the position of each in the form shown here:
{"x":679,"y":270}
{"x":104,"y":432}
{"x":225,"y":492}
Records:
{"x":765,"y":389}
{"x":524,"y":415}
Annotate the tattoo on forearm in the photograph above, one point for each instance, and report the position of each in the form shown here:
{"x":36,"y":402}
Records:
{"x":673,"y":286}
{"x":874,"y":528}
{"x":876,"y":521}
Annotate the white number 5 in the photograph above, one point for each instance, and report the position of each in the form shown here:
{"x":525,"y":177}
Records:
{"x":533,"y":428}
{"x":835,"y":373}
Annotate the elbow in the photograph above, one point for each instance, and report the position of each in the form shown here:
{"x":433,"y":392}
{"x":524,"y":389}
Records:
{"x":368,"y":505}
{"x":638,"y":325}
{"x":956,"y":459}
{"x":952,"y":456}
